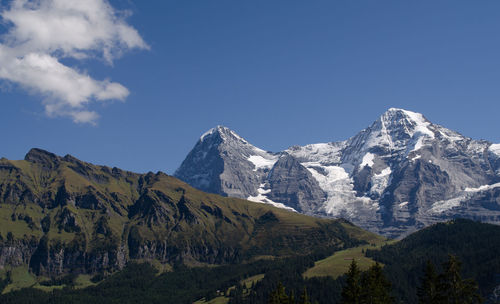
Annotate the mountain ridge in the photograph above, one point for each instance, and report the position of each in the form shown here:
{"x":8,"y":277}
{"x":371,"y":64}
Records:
{"x":61,"y":215}
{"x":396,"y":176}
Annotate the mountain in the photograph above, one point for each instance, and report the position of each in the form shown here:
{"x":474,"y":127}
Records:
{"x":399,"y":175}
{"x":224,"y":163}
{"x":61,"y":215}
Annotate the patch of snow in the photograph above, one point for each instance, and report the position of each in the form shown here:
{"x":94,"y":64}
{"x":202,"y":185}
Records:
{"x":335,"y":181}
{"x":339,"y":187}
{"x":482,"y":188}
{"x":209,"y":132}
{"x":380,"y":181}
{"x":419,"y":144}
{"x":325,"y":173}
{"x":261,"y":162}
{"x":367,"y":160}
{"x":224,"y":133}
{"x":422,"y":125}
{"x":448,"y":134}
{"x":237,"y":136}
{"x":261,"y":198}
{"x":403,"y":204}
{"x":495,"y":149}
{"x":417,"y":156}
{"x":445,"y":205}
{"x":324,"y":153}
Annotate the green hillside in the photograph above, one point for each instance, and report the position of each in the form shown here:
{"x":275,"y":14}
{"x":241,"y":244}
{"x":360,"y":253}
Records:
{"x":59,"y":215}
{"x":337,"y":264}
{"x":477,"y":246}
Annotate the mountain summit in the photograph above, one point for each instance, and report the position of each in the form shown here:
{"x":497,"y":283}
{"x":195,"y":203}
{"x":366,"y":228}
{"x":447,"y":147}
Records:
{"x":400,"y":174}
{"x":222,"y":162}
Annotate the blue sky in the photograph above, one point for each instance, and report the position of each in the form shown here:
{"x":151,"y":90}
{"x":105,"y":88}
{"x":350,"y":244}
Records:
{"x":279,"y":73}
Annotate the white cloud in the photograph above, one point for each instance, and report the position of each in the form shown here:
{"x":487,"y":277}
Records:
{"x":41,"y":32}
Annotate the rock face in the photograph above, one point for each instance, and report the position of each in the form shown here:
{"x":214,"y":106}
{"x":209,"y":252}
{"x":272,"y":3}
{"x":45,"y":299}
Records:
{"x":398,"y":175}
{"x":60,"y":215}
{"x":224,"y":163}
{"x":293,"y":185}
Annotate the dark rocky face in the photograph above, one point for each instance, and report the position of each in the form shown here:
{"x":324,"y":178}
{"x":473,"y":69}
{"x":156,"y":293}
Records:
{"x":293,"y":185}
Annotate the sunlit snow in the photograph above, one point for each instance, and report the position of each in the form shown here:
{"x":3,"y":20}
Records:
{"x":262,"y":163}
{"x":380,"y":181}
{"x":444,"y":205}
{"x":367,"y":160}
{"x":261,"y":198}
{"x":495,"y":148}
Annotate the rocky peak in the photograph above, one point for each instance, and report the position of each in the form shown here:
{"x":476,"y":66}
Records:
{"x":226,"y":143}
{"x":225,"y":163}
{"x":397,"y":132}
{"x":398,"y":121}
{"x":395,"y":128}
{"x":222,"y":134}
{"x":42,"y":157}
{"x":71,"y":159}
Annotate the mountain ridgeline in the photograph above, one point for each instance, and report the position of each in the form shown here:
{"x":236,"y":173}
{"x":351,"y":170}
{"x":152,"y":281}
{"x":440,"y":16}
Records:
{"x":62,"y":215}
{"x":395,"y":177}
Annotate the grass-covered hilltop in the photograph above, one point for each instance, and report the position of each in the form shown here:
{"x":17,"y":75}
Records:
{"x":59,"y":215}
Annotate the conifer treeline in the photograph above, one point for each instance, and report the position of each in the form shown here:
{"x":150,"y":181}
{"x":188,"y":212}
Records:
{"x":372,"y":287}
{"x":447,"y":287}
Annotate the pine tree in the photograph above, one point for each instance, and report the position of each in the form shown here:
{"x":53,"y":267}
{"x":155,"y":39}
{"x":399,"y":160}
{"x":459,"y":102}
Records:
{"x":291,"y":298}
{"x":451,"y":289}
{"x":375,"y":288}
{"x":304,"y":298}
{"x":352,"y":290}
{"x":427,"y":292}
{"x":279,"y":296}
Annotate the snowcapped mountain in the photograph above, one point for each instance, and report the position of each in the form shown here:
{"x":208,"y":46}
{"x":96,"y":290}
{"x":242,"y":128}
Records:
{"x":224,"y":163}
{"x":398,"y":175}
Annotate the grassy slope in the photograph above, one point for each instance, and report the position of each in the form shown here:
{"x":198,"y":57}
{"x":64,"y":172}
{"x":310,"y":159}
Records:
{"x":41,"y":182}
{"x":338,"y":263}
{"x":29,"y":189}
{"x":20,"y":277}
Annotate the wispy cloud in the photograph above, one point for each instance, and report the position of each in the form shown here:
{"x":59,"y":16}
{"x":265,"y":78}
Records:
{"x":42,"y":32}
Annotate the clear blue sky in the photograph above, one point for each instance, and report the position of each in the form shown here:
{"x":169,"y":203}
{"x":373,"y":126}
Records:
{"x":279,"y":73}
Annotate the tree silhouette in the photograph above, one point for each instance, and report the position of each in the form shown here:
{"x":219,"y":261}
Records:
{"x":375,"y":288}
{"x":452,"y":289}
{"x":427,"y":292}
{"x":351,"y":293}
{"x":370,"y":287}
{"x":279,"y":296}
{"x":304,"y":298}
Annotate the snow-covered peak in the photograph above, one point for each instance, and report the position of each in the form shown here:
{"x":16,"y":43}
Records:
{"x":495,"y":149}
{"x":396,"y":131}
{"x":409,"y":122}
{"x":236,"y":146}
{"x":222,"y":132}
